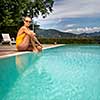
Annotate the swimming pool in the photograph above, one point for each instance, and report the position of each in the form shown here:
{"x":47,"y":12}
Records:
{"x":70,"y":72}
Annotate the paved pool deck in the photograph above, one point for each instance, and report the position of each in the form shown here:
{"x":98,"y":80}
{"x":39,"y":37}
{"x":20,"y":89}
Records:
{"x":6,"y":50}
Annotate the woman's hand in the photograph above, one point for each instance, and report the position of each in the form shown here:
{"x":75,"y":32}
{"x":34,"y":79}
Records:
{"x":41,"y":45}
{"x":32,"y":34}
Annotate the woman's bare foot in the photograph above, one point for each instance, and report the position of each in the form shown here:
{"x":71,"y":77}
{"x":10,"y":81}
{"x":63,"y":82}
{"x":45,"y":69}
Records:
{"x":35,"y":50}
{"x":39,"y":48}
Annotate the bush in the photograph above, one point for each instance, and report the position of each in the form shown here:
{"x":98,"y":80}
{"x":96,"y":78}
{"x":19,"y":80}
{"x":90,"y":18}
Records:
{"x":68,"y":41}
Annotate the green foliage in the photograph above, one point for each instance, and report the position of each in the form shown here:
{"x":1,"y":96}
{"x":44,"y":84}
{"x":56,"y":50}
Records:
{"x":12,"y":11}
{"x":42,"y":6}
{"x":69,"y":41}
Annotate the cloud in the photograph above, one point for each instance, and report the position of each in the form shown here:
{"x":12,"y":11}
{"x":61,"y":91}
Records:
{"x":77,"y":8}
{"x":82,"y":30}
{"x":64,"y":9}
{"x":71,"y":9}
{"x":70,"y":25}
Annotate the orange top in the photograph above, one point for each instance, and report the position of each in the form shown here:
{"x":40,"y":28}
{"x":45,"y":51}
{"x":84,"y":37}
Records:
{"x":19,"y":39}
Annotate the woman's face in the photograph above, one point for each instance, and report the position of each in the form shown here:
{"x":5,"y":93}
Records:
{"x":27,"y":21}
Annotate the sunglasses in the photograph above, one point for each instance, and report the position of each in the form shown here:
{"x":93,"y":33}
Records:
{"x":27,"y":21}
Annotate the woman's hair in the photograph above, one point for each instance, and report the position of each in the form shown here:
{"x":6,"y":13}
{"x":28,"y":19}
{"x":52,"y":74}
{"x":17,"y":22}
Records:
{"x":26,"y":17}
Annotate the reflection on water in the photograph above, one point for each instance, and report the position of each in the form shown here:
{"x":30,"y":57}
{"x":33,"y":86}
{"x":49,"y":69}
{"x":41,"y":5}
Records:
{"x":25,"y":61}
{"x":22,"y":62}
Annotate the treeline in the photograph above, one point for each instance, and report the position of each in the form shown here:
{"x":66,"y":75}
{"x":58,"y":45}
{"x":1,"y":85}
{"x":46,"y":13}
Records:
{"x":65,"y":40}
{"x":70,"y":40}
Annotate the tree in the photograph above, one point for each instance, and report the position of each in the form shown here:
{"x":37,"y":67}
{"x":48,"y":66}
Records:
{"x":43,"y":7}
{"x":12,"y":11}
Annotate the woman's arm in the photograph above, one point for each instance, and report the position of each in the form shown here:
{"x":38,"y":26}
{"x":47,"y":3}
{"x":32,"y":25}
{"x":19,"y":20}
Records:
{"x":36,"y":40}
{"x":28,"y":32}
{"x":31,"y":34}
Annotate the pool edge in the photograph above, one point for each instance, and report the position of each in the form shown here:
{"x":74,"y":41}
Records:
{"x":25,"y":52}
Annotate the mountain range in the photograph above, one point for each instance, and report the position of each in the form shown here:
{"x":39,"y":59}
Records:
{"x":52,"y":33}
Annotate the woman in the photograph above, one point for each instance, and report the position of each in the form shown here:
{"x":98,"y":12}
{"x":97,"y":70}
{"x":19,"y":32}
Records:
{"x":26,"y":39}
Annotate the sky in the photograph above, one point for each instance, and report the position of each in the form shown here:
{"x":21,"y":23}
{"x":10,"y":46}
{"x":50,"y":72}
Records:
{"x":75,"y":16}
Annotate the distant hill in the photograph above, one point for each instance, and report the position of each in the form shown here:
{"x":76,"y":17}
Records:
{"x":94,"y":34}
{"x":52,"y":33}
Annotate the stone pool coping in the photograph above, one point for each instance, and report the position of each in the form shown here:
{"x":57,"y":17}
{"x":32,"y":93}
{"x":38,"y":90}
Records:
{"x":11,"y":51}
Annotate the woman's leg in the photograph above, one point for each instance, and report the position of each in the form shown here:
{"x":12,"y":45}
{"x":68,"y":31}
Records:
{"x":25,"y":44}
{"x":34,"y":46}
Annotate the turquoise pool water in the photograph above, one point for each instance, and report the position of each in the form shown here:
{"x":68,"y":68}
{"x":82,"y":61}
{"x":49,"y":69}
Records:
{"x":70,"y":72}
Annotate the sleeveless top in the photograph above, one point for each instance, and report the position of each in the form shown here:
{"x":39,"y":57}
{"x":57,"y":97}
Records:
{"x":19,"y":39}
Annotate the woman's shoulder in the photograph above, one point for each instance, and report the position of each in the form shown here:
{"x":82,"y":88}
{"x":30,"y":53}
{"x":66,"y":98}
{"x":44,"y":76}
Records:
{"x":23,"y":28}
